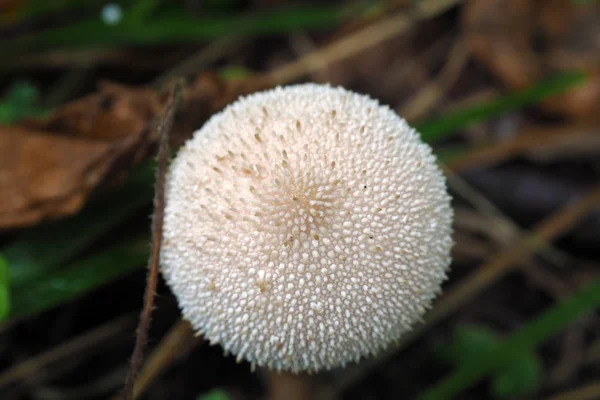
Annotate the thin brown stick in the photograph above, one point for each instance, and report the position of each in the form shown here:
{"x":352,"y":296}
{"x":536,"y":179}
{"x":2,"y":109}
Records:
{"x":180,"y":340}
{"x":508,"y":259}
{"x":587,"y":392}
{"x":164,"y":128}
{"x":356,"y":42}
{"x":523,"y":248}
{"x":202,"y":59}
{"x":88,"y":341}
{"x":427,"y":97}
{"x":532,"y":140}
{"x":593,"y":352}
{"x":501,"y":223}
{"x":288,"y":386}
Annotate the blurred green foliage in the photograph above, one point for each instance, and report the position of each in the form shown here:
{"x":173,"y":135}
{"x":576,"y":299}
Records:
{"x":235,"y":73}
{"x":4,"y":288}
{"x":59,"y":286}
{"x":517,"y":378}
{"x":142,"y":25}
{"x":39,"y":253}
{"x":521,"y":377}
{"x":41,"y":249}
{"x":215,"y":395}
{"x":512,"y":349}
{"x":20,"y":101}
{"x":35,"y":8}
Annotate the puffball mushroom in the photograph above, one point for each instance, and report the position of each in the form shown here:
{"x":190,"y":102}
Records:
{"x":306,"y":227}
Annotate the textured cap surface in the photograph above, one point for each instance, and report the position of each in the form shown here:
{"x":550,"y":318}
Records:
{"x":305,"y":227}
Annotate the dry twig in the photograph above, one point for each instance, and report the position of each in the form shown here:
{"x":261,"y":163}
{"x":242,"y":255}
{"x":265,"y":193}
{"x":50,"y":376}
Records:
{"x":586,"y":392}
{"x":164,"y":129}
{"x":508,"y":259}
{"x":357,"y":42}
{"x":179,"y":341}
{"x":87,"y":341}
{"x":420,"y":104}
{"x":533,"y":140}
{"x":288,"y":386}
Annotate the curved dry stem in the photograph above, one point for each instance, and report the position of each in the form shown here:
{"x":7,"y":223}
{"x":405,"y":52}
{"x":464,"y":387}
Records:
{"x":288,"y":386}
{"x":141,"y":339}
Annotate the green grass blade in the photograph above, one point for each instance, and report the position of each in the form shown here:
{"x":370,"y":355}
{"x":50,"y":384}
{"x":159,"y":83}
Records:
{"x":141,"y":11}
{"x":523,"y":340}
{"x":4,"y":302}
{"x":44,"y":248}
{"x":4,"y":288}
{"x":217,"y":394}
{"x":439,"y":127}
{"x":80,"y":277}
{"x":37,"y":8}
{"x":174,"y":27}
{"x":21,"y":100}
{"x":4,"y":271}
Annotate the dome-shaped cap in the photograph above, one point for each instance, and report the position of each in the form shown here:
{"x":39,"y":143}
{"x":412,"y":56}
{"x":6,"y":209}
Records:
{"x":305,"y":227}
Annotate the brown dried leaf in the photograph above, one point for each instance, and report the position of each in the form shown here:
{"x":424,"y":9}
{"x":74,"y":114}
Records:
{"x":45,"y":176}
{"x":49,"y":168}
{"x":112,"y":113}
{"x":524,"y":41}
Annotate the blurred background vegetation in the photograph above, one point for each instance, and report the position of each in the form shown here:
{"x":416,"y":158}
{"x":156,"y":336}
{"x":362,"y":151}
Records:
{"x":506,"y":91}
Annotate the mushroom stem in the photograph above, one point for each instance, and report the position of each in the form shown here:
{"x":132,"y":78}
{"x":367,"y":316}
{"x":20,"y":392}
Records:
{"x":288,"y":386}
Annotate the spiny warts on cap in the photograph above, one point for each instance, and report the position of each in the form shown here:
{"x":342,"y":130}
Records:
{"x":305,"y":227}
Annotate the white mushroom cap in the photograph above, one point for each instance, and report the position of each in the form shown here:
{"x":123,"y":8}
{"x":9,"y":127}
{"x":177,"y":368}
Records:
{"x":305,"y":227}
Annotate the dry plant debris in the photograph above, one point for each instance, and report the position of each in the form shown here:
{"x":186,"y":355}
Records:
{"x":96,"y":139}
{"x":46,"y":176}
{"x":523,"y":41}
{"x":49,"y":168}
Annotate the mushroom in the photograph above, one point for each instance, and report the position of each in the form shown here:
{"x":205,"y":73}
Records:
{"x":306,"y":227}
